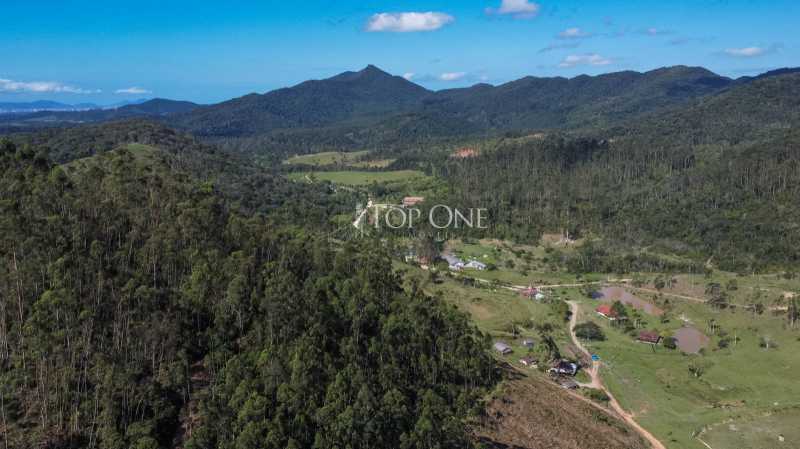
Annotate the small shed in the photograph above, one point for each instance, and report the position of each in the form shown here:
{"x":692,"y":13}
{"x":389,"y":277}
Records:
{"x":606,"y":311}
{"x":530,"y":362}
{"x":528,"y":343}
{"x":651,"y":337}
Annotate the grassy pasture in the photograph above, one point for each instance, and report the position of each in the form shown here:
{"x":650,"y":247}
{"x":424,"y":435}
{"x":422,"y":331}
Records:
{"x":359,"y":178}
{"x":741,"y":382}
{"x":355,"y":159}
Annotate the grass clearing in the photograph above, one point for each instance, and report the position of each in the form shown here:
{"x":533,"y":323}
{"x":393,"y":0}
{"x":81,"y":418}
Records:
{"x":743,"y":396}
{"x":356,"y":159}
{"x":326,"y":158}
{"x":359,"y":178}
{"x":738,"y":382}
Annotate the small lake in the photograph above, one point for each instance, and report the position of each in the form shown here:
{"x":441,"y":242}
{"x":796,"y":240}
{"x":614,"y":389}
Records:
{"x":612,"y":294}
{"x":690,"y":340}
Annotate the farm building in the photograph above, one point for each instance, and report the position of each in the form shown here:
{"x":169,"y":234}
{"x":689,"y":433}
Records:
{"x":475,"y":265}
{"x":464,"y":153}
{"x":606,"y":311}
{"x":530,"y":362}
{"x":411,"y":201}
{"x":528,"y":343}
{"x":564,"y":367}
{"x":502,"y":348}
{"x":453,"y":262}
{"x":649,"y":337}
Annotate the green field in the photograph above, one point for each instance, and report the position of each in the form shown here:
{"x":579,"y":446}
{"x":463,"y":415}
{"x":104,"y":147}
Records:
{"x":740,"y":381}
{"x":757,"y":433}
{"x":745,"y":396}
{"x":358,"y":178}
{"x":356,"y":159}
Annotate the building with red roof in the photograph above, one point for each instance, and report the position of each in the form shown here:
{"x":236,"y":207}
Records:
{"x":606,"y":311}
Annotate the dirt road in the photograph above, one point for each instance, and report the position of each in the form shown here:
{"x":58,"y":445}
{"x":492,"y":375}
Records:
{"x":597,"y":383}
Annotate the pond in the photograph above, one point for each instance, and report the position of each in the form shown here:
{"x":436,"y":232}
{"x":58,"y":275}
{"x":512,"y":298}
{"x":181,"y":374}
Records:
{"x":690,"y":340}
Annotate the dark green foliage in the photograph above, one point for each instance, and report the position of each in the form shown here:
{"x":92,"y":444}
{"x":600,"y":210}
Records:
{"x":348,"y":97}
{"x":123,"y":280}
{"x":589,"y":331}
{"x":717,"y":179}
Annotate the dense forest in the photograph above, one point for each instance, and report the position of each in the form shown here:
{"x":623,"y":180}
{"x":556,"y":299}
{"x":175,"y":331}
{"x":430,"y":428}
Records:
{"x":138,"y":308}
{"x":717,"y":180}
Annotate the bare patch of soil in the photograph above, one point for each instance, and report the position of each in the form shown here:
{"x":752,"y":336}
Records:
{"x":531,"y":413}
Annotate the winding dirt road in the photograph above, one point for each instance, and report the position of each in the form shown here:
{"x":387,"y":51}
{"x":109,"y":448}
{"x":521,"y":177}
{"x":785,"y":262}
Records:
{"x":597,"y":383}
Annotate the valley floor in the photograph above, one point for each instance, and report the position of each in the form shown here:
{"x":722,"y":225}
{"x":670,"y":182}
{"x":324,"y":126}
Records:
{"x":735,"y":393}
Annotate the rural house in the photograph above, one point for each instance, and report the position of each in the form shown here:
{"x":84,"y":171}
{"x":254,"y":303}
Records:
{"x":528,"y":343}
{"x":606,"y":311}
{"x":502,"y":348}
{"x":564,"y":367}
{"x":453,"y":262}
{"x":530,"y":362}
{"x":411,"y":201}
{"x":475,"y":265}
{"x":649,"y":337}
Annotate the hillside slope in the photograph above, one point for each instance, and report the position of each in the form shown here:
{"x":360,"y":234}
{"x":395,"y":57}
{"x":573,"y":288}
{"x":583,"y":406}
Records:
{"x":346,"y":97}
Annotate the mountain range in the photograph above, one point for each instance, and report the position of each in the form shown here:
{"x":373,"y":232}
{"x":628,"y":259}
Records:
{"x":371,"y":106}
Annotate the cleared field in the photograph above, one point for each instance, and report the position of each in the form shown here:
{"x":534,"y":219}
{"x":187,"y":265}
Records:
{"x":676,"y":396}
{"x":737,"y":393}
{"x":356,"y":159}
{"x":326,"y":158}
{"x":777,"y":430}
{"x":516,"y":264}
{"x":356,"y":178}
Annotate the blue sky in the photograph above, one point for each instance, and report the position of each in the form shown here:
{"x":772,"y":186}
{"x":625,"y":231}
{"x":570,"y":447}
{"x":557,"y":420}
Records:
{"x":207,"y":50}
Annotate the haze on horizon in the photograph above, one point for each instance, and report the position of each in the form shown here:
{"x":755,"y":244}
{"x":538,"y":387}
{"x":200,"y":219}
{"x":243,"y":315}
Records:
{"x":84,"y":52}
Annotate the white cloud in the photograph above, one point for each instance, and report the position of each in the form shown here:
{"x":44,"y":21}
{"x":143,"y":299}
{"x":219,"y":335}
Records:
{"x":747,"y":52}
{"x":7,"y":85}
{"x":133,"y":91}
{"x":404,"y":22}
{"x":652,"y":31}
{"x":561,"y":46}
{"x":589,"y":59}
{"x":520,"y":9}
{"x":409,"y":75}
{"x":452,"y":76}
{"x":573,"y":33}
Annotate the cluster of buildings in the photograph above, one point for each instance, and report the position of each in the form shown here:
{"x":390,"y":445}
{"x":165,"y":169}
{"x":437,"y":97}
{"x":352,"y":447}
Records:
{"x":533,"y":293}
{"x":645,"y":336}
{"x":456,"y":264}
{"x":562,"y":371}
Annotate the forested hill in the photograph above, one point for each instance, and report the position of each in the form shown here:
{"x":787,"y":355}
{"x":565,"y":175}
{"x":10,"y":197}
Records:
{"x":347,"y":97}
{"x":523,"y":104}
{"x":246,"y":184}
{"x":531,"y":103}
{"x":373,"y":108}
{"x":124,"y":282}
{"x":717,"y":180}
{"x":748,"y":112}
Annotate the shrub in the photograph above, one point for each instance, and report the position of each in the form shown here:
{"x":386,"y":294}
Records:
{"x":589,"y":331}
